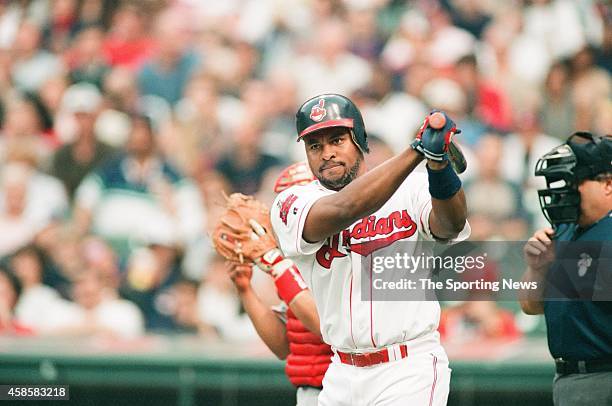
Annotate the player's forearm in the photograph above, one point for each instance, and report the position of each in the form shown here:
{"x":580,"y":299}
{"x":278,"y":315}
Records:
{"x":532,"y":300}
{"x":268,"y":326}
{"x":448,"y":216}
{"x":291,"y":288}
{"x":304,"y":308}
{"x":360,"y":198}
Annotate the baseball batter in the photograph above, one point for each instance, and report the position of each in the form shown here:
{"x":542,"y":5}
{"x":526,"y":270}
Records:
{"x":385,"y":353}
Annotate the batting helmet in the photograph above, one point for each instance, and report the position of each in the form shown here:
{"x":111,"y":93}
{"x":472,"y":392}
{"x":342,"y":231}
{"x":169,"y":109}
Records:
{"x":331,"y":110}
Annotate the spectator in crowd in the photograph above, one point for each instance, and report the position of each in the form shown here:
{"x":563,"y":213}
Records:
{"x":32,"y":65}
{"x":17,"y":228}
{"x":61,"y":245}
{"x":515,"y":62}
{"x":102,"y":311}
{"x":10,"y":291}
{"x":11,"y":14}
{"x":406,"y":46}
{"x":26,"y":120}
{"x":30,"y":200}
{"x":380,"y":151}
{"x":505,"y":217}
{"x":198,"y":121}
{"x":99,"y":256}
{"x":485,"y":101}
{"x":121,"y":89}
{"x":85,"y":59}
{"x":447,"y":95}
{"x":558,"y":112}
{"x":257,"y":101}
{"x":166,"y":74}
{"x":61,"y":26}
{"x":524,"y":147}
{"x":244,"y":69}
{"x":95,"y":12}
{"x":278,"y":139}
{"x":75,"y":160}
{"x":185,"y":312}
{"x":472,"y":16}
{"x":399,"y":115}
{"x":128,"y":43}
{"x":152,"y":271}
{"x":329,"y":66}
{"x":365,"y":39}
{"x":245,"y":165}
{"x":212,"y":187}
{"x":47,"y":198}
{"x":603,"y":117}
{"x":40,"y":306}
{"x":219,"y":305}
{"x":448,"y":43}
{"x":139,"y":196}
{"x":591,"y":84}
{"x":51,"y":94}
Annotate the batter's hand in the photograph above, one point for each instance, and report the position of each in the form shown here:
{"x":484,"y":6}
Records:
{"x":240,"y":274}
{"x":435,"y":136}
{"x":539,"y":250}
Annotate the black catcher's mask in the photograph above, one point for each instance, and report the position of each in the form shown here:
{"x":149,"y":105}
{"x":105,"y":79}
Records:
{"x":583,"y":156}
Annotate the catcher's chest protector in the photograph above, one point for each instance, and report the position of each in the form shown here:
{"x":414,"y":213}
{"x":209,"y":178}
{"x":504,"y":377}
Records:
{"x":308,"y":358}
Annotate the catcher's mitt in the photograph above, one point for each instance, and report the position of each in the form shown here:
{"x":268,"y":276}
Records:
{"x":243,"y":233}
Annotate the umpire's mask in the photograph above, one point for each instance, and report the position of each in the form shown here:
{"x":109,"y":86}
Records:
{"x":584,"y":156}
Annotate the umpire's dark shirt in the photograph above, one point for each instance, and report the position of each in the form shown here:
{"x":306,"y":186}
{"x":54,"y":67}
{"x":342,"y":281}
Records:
{"x":578,"y":294}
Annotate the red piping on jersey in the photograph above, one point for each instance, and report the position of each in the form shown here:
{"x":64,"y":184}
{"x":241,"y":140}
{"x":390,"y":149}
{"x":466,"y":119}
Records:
{"x":371,"y":304}
{"x":433,"y":385}
{"x":351,"y":308}
{"x":299,"y":237}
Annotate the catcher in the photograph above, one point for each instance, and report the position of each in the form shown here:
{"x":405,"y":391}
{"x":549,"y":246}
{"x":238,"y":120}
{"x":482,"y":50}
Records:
{"x":244,"y":237}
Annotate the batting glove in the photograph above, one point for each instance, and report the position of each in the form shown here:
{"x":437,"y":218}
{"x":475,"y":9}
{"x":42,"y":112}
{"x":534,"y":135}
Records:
{"x":435,"y":135}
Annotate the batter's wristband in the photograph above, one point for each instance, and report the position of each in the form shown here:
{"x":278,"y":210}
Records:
{"x":443,"y":183}
{"x":289,"y":283}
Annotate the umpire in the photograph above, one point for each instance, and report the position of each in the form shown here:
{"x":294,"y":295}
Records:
{"x":574,"y":273}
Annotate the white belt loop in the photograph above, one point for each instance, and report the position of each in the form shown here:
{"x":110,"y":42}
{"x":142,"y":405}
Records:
{"x":391,"y":353}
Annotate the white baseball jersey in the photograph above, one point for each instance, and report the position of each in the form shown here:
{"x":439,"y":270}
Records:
{"x":332,"y":268}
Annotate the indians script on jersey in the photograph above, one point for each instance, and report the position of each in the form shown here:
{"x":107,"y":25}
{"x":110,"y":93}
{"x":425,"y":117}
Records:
{"x":363,"y":237}
{"x":380,"y":232}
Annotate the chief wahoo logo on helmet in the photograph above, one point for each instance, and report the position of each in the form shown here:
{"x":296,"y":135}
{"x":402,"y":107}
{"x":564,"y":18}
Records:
{"x":318,"y":112}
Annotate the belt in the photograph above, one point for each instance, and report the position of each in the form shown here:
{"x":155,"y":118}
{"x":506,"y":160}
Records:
{"x":565,"y":367}
{"x":366,"y":359}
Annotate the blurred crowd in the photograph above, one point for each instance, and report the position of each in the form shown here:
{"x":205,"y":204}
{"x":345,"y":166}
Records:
{"x":122,"y":122}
